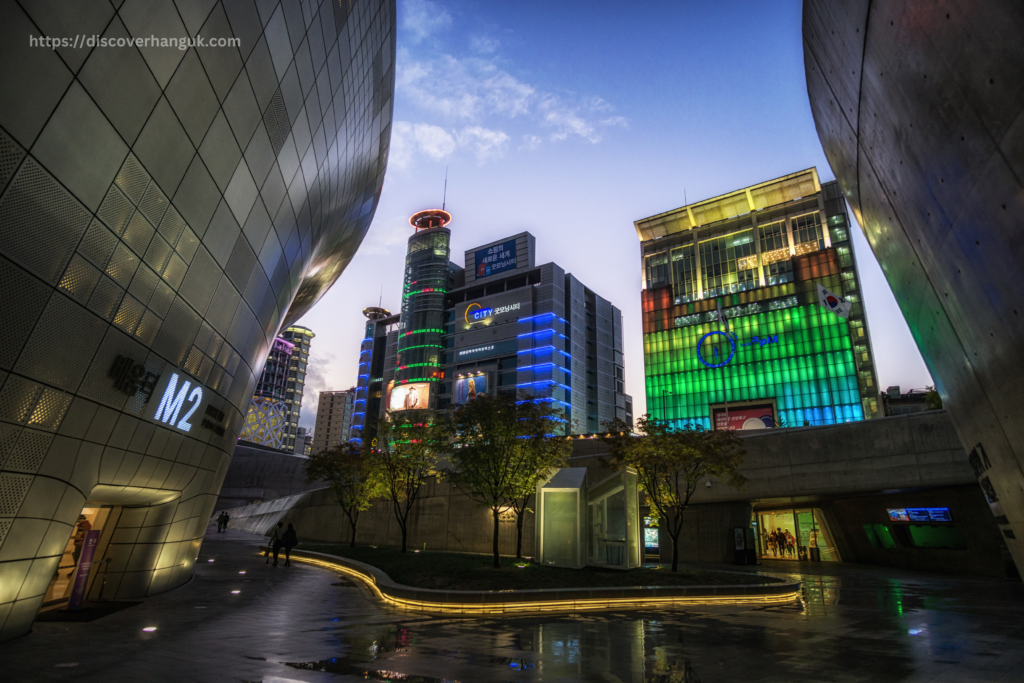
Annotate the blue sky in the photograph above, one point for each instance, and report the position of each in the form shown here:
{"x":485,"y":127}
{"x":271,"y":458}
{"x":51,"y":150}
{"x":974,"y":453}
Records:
{"x":571,"y":120}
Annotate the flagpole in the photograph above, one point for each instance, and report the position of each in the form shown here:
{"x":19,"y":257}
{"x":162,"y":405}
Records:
{"x":725,"y":388}
{"x":831,"y":398}
{"x":822,"y":296}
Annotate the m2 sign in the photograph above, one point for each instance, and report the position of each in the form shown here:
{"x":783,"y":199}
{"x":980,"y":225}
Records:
{"x":496,"y":259}
{"x":179,"y":402}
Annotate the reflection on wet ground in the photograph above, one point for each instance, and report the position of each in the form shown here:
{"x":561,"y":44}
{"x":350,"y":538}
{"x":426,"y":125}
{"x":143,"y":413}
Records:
{"x":851,"y":624}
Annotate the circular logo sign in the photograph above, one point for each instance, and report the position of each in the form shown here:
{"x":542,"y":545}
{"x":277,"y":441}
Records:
{"x":713,"y":363}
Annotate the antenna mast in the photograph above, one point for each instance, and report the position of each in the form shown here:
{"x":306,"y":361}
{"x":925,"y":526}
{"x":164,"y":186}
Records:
{"x":444,"y":199}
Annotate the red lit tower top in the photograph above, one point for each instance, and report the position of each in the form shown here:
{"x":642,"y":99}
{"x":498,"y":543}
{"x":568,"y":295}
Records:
{"x":430,"y":218}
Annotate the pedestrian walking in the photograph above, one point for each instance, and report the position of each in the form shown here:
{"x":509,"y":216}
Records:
{"x":275,"y":541}
{"x":222,"y":521}
{"x":289,"y":540}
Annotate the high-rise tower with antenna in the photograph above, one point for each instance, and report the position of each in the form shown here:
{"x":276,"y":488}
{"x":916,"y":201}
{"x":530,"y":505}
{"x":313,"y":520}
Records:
{"x":419,"y":342}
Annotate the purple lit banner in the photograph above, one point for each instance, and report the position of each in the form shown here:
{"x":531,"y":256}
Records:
{"x":92,"y":537}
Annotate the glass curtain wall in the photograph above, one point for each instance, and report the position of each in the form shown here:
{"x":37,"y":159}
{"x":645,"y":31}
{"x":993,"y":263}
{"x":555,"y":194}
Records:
{"x":729,"y":264}
{"x":426,"y":279}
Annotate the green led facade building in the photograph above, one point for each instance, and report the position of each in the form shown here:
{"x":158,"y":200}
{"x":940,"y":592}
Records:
{"x":423,"y":314}
{"x":734,"y":334}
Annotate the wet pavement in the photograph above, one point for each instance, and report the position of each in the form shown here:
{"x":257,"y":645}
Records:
{"x":302,"y":623}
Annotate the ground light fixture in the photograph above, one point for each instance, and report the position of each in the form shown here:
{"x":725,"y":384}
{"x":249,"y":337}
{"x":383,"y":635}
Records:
{"x":242,"y":572}
{"x":149,"y":629}
{"x":556,"y":605}
{"x":235,"y":592}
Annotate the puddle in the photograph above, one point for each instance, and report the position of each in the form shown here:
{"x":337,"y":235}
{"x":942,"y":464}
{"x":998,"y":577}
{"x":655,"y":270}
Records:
{"x":342,"y":667}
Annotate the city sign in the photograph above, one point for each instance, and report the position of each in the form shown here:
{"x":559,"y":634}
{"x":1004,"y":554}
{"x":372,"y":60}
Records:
{"x":475,"y":313}
{"x":496,"y":259}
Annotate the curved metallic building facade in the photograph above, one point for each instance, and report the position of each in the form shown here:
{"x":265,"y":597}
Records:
{"x":920,"y":111}
{"x":178,"y":183}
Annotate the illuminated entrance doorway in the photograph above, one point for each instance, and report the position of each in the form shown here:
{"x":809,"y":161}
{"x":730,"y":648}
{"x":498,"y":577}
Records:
{"x":78,"y":554}
{"x":795,"y":535}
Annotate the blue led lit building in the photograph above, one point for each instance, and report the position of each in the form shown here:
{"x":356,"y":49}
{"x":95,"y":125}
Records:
{"x":369,"y":375}
{"x":538,"y":331}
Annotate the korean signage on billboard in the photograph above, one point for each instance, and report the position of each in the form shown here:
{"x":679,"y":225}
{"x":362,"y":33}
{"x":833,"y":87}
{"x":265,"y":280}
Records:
{"x":496,"y":259}
{"x":414,"y":396}
{"x":745,"y":417}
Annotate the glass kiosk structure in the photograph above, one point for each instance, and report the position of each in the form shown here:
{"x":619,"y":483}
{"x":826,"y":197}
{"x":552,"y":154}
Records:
{"x":599,"y":526}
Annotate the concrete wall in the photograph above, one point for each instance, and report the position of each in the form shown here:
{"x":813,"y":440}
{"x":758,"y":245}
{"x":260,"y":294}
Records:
{"x":793,"y":467}
{"x":921,"y":115}
{"x":442,"y":518}
{"x":258,"y":473}
{"x":986,"y":554}
{"x":902,"y":452}
{"x":175,"y":208}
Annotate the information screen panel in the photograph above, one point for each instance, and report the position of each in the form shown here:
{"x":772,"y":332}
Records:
{"x":920,"y":515}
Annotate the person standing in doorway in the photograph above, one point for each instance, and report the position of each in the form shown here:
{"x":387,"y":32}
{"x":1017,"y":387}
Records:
{"x":83,"y":530}
{"x":275,"y":540}
{"x":289,"y":540}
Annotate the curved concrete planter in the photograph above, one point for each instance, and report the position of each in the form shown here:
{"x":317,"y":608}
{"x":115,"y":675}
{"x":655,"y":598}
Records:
{"x":547,"y":599}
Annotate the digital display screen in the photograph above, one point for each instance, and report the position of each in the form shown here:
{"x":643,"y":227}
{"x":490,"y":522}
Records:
{"x":468,"y":388}
{"x":920,"y":515}
{"x":745,"y":417}
{"x":415,"y":396}
{"x":929,"y":515}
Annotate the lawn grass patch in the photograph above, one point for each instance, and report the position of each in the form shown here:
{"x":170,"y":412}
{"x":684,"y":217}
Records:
{"x":472,"y":572}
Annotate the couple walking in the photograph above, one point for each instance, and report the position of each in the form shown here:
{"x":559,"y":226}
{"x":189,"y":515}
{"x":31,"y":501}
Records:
{"x":278,"y":539}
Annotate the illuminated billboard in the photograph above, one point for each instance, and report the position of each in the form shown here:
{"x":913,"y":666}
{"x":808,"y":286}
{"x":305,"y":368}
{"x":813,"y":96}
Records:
{"x":496,"y":259}
{"x":468,"y":388}
{"x":799,"y":357}
{"x":413,"y":396}
{"x":745,"y":417}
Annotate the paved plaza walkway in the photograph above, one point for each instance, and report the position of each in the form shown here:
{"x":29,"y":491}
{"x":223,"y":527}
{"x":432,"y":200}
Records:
{"x":301,"y":623}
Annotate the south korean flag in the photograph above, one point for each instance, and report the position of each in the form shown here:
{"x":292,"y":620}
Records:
{"x":833,"y":302}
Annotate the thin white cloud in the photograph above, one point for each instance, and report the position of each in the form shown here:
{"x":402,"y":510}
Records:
{"x":485,"y":144}
{"x":318,"y":372}
{"x":411,"y":139}
{"x":530,"y":142}
{"x":475,"y":91}
{"x":422,"y":19}
{"x":462,"y":89}
{"x":483,"y":44}
{"x":567,"y":119}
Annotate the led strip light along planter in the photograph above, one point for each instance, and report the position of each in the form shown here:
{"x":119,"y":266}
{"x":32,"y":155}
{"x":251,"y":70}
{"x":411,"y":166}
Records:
{"x":790,"y":592}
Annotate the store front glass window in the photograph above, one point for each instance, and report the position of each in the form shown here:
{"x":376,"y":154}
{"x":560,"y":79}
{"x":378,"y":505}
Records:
{"x":795,"y":535}
{"x":90,"y":521}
